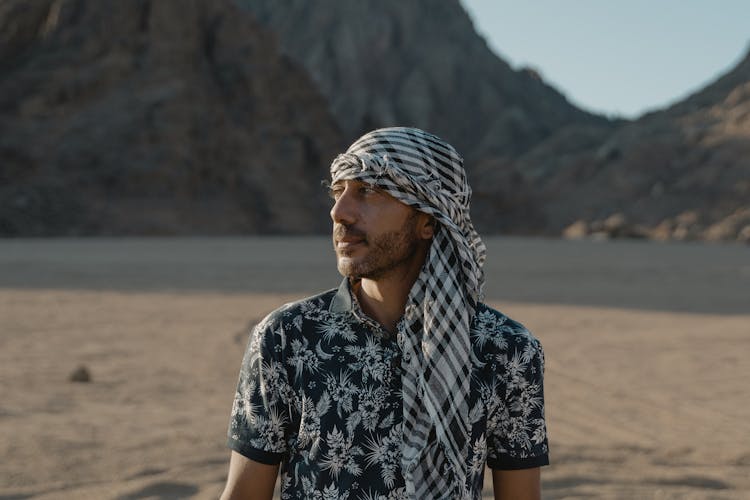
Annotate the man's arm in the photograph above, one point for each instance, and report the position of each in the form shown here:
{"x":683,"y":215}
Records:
{"x":249,"y":480}
{"x":523,"y":484}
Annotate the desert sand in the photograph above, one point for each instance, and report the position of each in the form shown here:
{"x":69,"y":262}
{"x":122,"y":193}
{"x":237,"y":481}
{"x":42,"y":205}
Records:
{"x":647,"y":348}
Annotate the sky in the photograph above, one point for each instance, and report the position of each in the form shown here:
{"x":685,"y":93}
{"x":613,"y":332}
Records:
{"x":618,"y":57}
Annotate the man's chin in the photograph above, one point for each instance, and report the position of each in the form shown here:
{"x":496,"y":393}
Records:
{"x":349,"y":267}
{"x":345,"y":266}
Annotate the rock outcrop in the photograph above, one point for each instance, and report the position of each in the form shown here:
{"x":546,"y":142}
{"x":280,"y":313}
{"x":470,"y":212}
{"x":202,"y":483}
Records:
{"x":418,"y":63}
{"x":221,"y":117}
{"x":155,"y":117}
{"x":679,"y":173}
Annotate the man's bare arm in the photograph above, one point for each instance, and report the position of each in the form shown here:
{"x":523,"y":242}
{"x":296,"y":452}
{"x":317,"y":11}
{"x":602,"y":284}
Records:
{"x":249,"y":480}
{"x":521,"y":484}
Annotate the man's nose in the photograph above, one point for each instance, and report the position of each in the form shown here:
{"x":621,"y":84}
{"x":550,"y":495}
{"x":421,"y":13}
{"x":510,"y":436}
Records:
{"x":344,"y":210}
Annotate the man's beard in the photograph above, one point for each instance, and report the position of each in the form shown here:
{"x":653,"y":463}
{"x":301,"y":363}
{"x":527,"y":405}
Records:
{"x":384,"y":252}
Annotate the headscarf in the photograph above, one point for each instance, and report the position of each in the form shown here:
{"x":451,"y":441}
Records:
{"x":423,"y":171}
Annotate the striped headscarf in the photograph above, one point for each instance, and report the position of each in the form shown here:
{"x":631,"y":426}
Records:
{"x":425,"y":172}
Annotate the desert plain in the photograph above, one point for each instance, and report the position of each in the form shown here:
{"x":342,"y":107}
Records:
{"x":647,"y":360}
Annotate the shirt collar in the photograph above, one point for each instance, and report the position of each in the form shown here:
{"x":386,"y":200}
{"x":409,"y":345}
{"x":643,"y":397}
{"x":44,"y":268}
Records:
{"x":345,"y":302}
{"x":342,"y":301}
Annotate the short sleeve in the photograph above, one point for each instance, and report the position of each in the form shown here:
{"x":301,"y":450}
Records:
{"x":260,"y":416}
{"x":518,"y":438}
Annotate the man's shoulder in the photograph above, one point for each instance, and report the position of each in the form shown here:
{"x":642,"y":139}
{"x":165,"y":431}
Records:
{"x":312,"y":306}
{"x":489,"y":323}
{"x":488,"y":316}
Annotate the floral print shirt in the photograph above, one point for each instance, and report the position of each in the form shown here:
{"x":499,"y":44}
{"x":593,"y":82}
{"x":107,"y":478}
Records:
{"x":319,"y":392}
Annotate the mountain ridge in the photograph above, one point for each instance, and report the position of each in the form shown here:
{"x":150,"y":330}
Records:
{"x":149,"y":117}
{"x":203,"y":117}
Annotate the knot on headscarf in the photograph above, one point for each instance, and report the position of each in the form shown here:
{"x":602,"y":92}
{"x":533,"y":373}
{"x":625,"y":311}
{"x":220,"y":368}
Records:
{"x":423,"y":171}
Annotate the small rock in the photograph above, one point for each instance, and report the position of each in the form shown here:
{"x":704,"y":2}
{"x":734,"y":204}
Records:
{"x":663,"y":231}
{"x":687,"y":218}
{"x":81,"y":374}
{"x":576,"y":231}
{"x":730,"y":228}
{"x":687,"y":226}
{"x":615,"y":224}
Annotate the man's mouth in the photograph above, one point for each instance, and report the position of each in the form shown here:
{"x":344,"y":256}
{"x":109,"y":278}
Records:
{"x":349,"y":242}
{"x":346,"y":238}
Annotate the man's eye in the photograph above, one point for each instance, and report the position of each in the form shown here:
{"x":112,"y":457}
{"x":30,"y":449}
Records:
{"x":363,"y":190}
{"x":335,"y":193}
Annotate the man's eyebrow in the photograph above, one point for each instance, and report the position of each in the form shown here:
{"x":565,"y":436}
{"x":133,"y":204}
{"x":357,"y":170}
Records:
{"x":330,"y":185}
{"x":327,"y":185}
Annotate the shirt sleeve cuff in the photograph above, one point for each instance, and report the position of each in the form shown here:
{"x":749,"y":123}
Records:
{"x":509,"y":463}
{"x":261,"y":456}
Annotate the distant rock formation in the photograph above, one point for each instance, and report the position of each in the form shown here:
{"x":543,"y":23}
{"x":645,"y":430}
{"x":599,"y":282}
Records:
{"x":418,"y":63}
{"x":221,"y":117}
{"x":155,"y":117}
{"x":421,"y":63}
{"x":680,"y":173}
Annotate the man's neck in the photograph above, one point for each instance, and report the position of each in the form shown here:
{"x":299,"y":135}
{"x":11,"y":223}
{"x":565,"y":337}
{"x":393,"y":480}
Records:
{"x":384,"y":300}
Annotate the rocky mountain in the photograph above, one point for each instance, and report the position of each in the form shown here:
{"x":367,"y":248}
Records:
{"x":221,"y":117}
{"x":538,"y":164}
{"x":679,"y":173}
{"x":155,"y":117}
{"x":417,"y":63}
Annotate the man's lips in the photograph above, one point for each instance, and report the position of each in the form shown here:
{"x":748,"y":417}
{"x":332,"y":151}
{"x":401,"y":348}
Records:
{"x":347,"y":237}
{"x":349,"y":241}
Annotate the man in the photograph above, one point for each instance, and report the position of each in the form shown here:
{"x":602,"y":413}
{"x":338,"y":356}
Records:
{"x":400,"y":384}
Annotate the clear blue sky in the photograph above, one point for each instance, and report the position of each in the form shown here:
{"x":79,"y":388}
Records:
{"x":618,"y":57}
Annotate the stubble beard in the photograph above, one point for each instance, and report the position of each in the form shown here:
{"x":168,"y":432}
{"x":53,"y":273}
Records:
{"x":385,"y":253}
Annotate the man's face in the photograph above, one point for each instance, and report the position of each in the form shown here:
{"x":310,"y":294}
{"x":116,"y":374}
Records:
{"x":373,"y":233}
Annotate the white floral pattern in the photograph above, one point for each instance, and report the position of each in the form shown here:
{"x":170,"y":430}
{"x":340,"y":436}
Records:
{"x":319,"y":392}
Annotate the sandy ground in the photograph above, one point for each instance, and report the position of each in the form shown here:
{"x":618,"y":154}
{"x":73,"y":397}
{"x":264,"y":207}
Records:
{"x":647,"y":382}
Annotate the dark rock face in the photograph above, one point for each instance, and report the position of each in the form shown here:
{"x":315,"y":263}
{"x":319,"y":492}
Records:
{"x":155,"y":117}
{"x":680,"y":173}
{"x":420,"y":63}
{"x":185,"y":117}
{"x":537,"y":163}
{"x":417,"y":63}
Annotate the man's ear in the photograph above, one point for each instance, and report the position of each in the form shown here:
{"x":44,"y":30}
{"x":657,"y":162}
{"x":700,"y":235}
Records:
{"x":426,"y":226}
